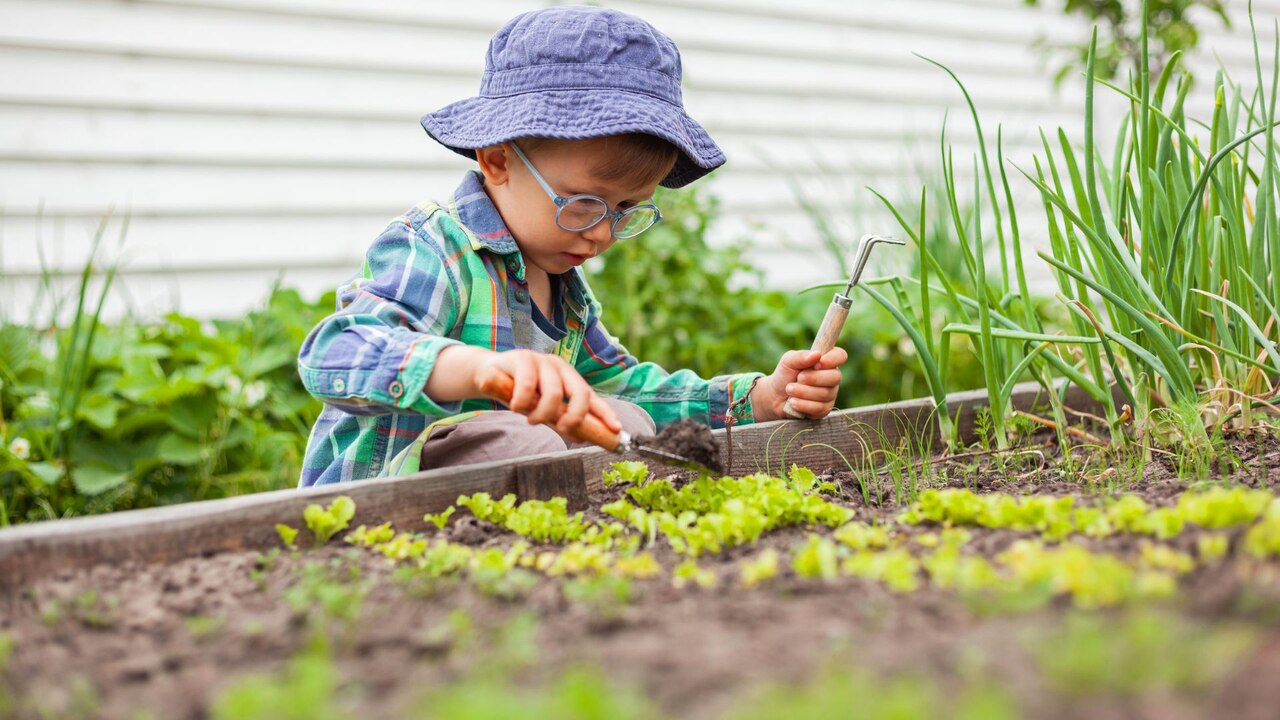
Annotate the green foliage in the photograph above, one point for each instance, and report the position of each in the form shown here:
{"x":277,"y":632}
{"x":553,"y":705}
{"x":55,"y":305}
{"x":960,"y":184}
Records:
{"x":578,"y":694}
{"x":1169,"y":23}
{"x":95,"y":418}
{"x":1142,"y":249}
{"x":1141,"y":651}
{"x":674,"y":299}
{"x":844,"y":690}
{"x":307,"y":690}
{"x":816,"y":559}
{"x":324,"y":523}
{"x":287,"y":535}
{"x":759,"y":569}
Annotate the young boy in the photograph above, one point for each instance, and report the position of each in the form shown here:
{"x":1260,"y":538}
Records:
{"x":578,"y":120}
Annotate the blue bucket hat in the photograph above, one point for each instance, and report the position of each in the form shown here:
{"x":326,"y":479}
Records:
{"x":574,"y":73}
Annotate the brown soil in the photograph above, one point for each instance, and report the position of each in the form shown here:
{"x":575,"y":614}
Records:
{"x":169,"y":639}
{"x":690,"y":440}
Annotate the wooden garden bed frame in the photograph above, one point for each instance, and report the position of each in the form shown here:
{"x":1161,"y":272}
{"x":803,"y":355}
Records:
{"x":200,"y":529}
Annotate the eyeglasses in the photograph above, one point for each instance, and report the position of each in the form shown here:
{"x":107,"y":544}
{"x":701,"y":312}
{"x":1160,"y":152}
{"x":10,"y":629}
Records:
{"x":583,"y":212}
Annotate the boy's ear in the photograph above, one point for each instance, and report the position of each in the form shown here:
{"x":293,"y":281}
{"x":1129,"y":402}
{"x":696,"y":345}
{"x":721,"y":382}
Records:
{"x":495,"y":163}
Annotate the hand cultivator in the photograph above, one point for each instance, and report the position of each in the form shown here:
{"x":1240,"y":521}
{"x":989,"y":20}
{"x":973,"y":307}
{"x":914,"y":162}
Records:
{"x":838,"y":311}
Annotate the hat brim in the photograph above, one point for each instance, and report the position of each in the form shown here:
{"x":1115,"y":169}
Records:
{"x":480,"y":122}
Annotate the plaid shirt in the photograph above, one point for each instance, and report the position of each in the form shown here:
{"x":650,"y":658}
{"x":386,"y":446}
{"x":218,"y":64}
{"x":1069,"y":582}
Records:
{"x":441,"y":276}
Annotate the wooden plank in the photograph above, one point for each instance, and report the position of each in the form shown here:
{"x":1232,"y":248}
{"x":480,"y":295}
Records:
{"x":171,"y":533}
{"x":165,"y":534}
{"x":553,"y":477}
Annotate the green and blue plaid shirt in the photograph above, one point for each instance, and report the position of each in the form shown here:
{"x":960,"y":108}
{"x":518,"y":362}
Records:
{"x":453,"y":275}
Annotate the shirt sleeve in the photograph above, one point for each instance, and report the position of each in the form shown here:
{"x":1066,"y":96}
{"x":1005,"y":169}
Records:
{"x":373,"y":356}
{"x":666,"y":396}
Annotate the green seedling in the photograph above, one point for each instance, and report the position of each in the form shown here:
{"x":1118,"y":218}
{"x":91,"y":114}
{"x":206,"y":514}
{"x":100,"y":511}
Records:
{"x":439,"y":519}
{"x":365,"y":536}
{"x":688,"y":573}
{"x":818,"y":559}
{"x":626,"y":473}
{"x":606,"y":596}
{"x":203,"y":626}
{"x":324,"y":523}
{"x":96,"y":611}
{"x":287,"y":535}
{"x":759,"y":569}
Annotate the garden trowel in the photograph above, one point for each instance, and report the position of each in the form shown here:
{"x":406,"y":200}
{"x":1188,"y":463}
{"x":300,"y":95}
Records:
{"x":499,"y":386}
{"x":838,"y":311}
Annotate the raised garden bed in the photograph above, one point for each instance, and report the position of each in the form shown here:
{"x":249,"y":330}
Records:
{"x":875,"y":583}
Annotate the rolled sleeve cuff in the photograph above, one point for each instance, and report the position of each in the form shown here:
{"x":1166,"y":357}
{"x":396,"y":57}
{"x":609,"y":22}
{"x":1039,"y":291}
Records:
{"x":731,"y":391}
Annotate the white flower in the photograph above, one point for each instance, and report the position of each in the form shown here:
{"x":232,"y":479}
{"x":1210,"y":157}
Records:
{"x":254,"y":393}
{"x":234,"y":384}
{"x":20,"y":448}
{"x":880,"y":352}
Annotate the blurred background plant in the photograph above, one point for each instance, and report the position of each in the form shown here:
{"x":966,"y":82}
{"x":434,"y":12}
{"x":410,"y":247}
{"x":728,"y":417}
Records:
{"x":1172,"y":25}
{"x":97,"y":417}
{"x":677,"y":301}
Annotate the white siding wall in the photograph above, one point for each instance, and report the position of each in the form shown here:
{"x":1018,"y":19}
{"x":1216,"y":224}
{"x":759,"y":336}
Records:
{"x":253,"y":139}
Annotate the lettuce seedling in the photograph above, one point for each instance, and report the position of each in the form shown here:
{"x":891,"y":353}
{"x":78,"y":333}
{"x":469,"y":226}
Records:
{"x":688,"y":572}
{"x":368,"y":537}
{"x":325,"y":523}
{"x":287,"y":535}
{"x":896,"y":568}
{"x":439,"y":519}
{"x":626,"y":473}
{"x":818,"y":558}
{"x":760,"y":568}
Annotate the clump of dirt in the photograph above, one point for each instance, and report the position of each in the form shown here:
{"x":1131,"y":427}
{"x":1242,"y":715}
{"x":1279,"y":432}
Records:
{"x":687,"y":439}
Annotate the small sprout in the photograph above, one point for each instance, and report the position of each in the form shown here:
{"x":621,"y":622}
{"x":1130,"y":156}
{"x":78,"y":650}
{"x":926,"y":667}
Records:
{"x":287,"y":535}
{"x":760,"y":568}
{"x":802,"y":478}
{"x":202,"y":626}
{"x":1212,"y":546}
{"x":325,"y":523}
{"x":817,"y":559}
{"x":439,"y":519}
{"x":626,"y":473}
{"x":688,"y":572}
{"x":368,"y":537}
{"x":641,"y":566}
{"x":605,"y":595}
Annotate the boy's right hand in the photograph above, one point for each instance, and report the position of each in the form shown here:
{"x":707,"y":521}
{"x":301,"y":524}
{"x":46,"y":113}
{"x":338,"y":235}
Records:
{"x":547,"y":390}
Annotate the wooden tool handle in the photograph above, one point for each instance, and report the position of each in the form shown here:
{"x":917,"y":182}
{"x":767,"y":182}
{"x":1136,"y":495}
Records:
{"x":498,"y":385}
{"x":828,"y":332}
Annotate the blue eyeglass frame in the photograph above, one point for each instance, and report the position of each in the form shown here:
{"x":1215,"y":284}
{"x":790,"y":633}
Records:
{"x":561,"y":202}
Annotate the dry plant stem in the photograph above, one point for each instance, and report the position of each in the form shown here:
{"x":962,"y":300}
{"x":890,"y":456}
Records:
{"x":991,"y":451}
{"x":1077,"y":432}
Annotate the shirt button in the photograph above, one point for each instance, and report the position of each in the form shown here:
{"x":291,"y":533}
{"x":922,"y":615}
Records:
{"x":513,"y":265}
{"x":339,"y":385}
{"x":522,"y":296}
{"x":396,"y":389}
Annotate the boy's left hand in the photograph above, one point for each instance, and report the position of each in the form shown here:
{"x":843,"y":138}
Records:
{"x":809,"y":380}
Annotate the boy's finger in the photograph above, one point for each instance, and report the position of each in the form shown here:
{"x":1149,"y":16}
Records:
{"x":525,"y":372}
{"x":551,"y":404}
{"x":819,"y":378}
{"x":833,"y":358}
{"x":810,"y":408}
{"x":799,"y":359}
{"x":601,"y":409}
{"x":796,"y":391}
{"x":579,"y":394}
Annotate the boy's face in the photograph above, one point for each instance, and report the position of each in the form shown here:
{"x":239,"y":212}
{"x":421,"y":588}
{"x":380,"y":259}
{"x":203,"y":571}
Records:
{"x":569,"y":168}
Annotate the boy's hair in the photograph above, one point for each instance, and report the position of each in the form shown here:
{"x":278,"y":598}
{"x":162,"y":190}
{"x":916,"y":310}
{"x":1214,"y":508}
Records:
{"x":637,"y":157}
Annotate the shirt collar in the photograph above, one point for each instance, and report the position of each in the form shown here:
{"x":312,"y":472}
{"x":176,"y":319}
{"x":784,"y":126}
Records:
{"x":483,"y":224}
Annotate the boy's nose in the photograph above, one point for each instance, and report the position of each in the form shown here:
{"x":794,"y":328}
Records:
{"x":600,"y":234}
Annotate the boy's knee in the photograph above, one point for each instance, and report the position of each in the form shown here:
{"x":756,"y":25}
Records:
{"x":633,"y":418}
{"x":488,"y":437}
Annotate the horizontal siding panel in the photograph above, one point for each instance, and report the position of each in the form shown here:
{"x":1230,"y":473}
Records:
{"x":251,"y":135}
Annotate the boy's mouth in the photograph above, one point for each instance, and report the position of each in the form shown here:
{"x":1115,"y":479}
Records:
{"x":574,"y":260}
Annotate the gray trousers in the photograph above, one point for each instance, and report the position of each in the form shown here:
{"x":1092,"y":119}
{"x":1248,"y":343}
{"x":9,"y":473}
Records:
{"x":502,"y":434}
